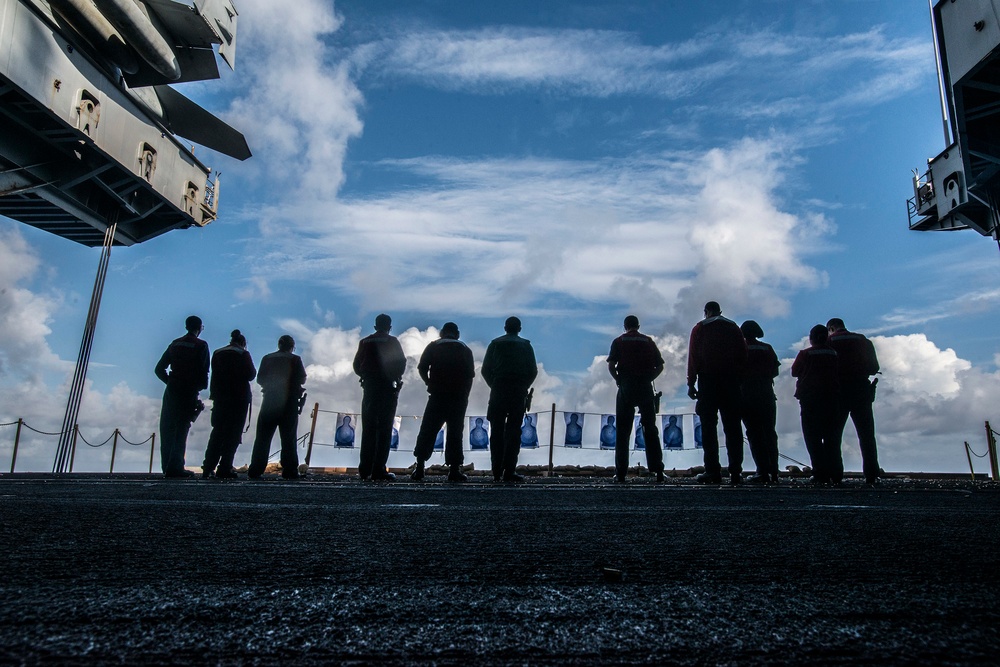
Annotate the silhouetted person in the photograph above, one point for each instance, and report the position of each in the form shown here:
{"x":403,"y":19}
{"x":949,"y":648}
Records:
{"x":817,"y":389}
{"x":634,"y":362}
{"x":717,"y":355}
{"x":187,"y":359}
{"x":509,"y":368}
{"x":447,"y":368}
{"x":232,"y":372}
{"x":759,"y":404}
{"x":282,"y":377}
{"x":857,"y":362}
{"x":379,"y":363}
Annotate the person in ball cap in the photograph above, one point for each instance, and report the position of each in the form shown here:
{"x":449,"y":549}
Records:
{"x":634,"y":362}
{"x":232,"y":372}
{"x":187,"y":359}
{"x":509,"y":368}
{"x":281,"y":377}
{"x":379,"y":363}
{"x":447,"y":368}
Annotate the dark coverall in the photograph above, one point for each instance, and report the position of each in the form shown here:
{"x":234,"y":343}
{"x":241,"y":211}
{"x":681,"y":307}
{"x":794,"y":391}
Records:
{"x":758,"y":406}
{"x":380,"y":363}
{"x":187,"y":358}
{"x":447,"y":367}
{"x":857,"y":362}
{"x":634,"y":362}
{"x":817,"y":389}
{"x":509,"y":368}
{"x":717,"y":355}
{"x":232,"y":372}
{"x":281,"y":377}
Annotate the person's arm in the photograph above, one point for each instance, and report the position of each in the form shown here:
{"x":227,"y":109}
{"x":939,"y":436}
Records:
{"x":799,"y":365}
{"x":613,"y":361}
{"x":658,"y":363}
{"x":488,"y":365}
{"x":423,"y":366}
{"x":872,"y":358}
{"x":532,"y":364}
{"x":205,"y":364}
{"x":299,"y":377}
{"x":161,"y":366}
{"x":692,"y":372}
{"x":359,"y":357}
{"x":249,"y":370}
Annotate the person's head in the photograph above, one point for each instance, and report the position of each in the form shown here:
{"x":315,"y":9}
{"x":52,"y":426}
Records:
{"x":479,"y":421}
{"x":450,"y":330}
{"x":193,"y":325}
{"x":712,"y":309}
{"x":237,"y":339}
{"x":751,"y":330}
{"x":818,"y":335}
{"x":631,"y":323}
{"x":286,"y":343}
{"x":383,"y":323}
{"x":835,"y":324}
{"x":512,"y":325}
{"x":672,"y":421}
{"x":611,"y":420}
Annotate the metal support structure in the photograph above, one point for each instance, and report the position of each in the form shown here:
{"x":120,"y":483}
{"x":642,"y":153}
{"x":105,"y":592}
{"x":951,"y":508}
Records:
{"x":152,"y":450}
{"x":83,"y":358}
{"x":991,"y":443}
{"x":968,"y":455}
{"x":17,"y":439}
{"x":312,"y":434}
{"x":552,"y":437}
{"x":114,"y":449}
{"x":72,"y":449}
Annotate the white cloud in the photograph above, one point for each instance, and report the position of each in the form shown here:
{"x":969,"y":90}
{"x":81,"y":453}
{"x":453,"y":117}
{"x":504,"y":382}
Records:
{"x":830,"y":73}
{"x":25,"y":315}
{"x":297,"y":107}
{"x":489,"y":233}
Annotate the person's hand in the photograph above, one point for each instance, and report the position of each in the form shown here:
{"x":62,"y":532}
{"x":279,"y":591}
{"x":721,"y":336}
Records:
{"x":692,"y":393}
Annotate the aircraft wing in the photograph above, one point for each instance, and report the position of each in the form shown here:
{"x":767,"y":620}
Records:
{"x":186,"y":119}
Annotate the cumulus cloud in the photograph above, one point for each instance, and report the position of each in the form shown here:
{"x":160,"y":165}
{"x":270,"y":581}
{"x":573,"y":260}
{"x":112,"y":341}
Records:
{"x":25,"y":315}
{"x":298,"y":107}
{"x":638,"y":231}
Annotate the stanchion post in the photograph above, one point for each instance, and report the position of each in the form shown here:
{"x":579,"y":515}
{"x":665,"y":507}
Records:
{"x":72,"y":450}
{"x":312,"y":434}
{"x":969,"y":456}
{"x":17,"y":440}
{"x":114,"y":448}
{"x":552,"y":436}
{"x":991,"y":443}
{"x":152,"y":449}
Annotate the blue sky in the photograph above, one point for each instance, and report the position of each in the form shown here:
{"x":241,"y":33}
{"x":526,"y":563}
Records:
{"x":568,"y":162}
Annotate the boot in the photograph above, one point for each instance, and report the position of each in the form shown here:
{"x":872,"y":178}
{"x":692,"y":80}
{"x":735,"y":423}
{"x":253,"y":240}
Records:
{"x":418,"y":473}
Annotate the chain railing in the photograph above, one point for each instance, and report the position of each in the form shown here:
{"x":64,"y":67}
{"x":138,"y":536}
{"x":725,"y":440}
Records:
{"x":75,"y":436}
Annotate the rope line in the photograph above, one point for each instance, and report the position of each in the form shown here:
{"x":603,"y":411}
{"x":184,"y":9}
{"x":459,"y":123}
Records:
{"x":540,"y":412}
{"x":42,"y":432}
{"x":96,"y":446}
{"x":973,"y":452}
{"x":9,"y":424}
{"x":134,"y":444}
